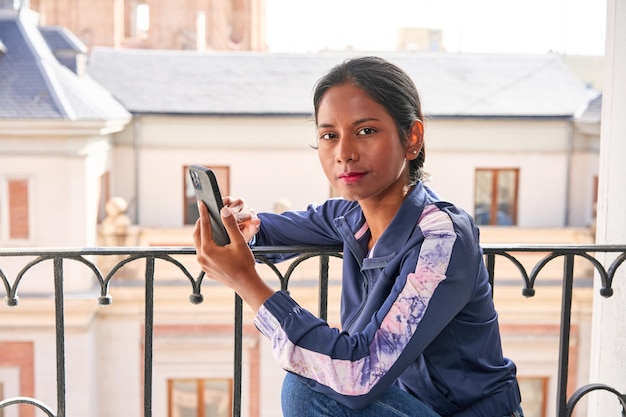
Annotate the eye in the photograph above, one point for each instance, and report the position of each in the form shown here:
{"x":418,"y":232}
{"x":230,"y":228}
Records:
{"x":366,"y":131}
{"x":327,"y":136}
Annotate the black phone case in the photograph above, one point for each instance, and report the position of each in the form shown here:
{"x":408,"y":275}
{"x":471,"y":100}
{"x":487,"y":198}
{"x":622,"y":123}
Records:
{"x":207,"y":191}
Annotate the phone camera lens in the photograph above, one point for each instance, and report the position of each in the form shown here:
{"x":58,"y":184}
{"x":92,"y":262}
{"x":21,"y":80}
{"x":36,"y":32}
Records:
{"x":195,"y":180}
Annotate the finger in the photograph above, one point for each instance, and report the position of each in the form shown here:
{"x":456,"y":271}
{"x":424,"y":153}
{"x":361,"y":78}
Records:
{"x":230,"y":223}
{"x":235,"y":205}
{"x":242,"y":216}
{"x":251,"y":228}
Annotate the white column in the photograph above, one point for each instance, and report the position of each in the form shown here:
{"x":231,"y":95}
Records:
{"x":608,"y":356}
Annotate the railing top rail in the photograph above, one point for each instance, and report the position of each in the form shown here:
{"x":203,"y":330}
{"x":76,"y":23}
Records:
{"x":187,"y":250}
{"x":151,"y":250}
{"x":561,"y":248}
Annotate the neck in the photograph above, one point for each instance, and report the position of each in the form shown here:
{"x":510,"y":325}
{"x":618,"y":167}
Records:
{"x":380,"y":214}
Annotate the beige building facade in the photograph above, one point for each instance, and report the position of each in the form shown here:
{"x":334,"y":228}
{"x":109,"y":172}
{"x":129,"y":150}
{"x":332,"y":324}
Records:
{"x":267,"y":160}
{"x":219,"y":25}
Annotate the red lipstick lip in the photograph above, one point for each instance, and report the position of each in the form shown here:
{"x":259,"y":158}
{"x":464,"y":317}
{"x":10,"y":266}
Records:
{"x":350,"y":177}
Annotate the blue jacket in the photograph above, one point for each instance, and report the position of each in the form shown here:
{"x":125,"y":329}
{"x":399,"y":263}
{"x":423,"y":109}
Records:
{"x":416,"y":311}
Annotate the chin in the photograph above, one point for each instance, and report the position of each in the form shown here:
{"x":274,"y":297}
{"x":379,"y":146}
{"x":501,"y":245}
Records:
{"x":349,"y":196}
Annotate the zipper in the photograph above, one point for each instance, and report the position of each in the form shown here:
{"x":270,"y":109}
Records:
{"x":346,"y":328}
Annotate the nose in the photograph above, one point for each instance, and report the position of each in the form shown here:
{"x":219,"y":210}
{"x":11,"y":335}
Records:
{"x":346,"y":151}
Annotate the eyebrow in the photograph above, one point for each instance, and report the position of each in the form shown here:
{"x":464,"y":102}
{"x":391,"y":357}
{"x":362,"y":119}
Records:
{"x":355,"y":123}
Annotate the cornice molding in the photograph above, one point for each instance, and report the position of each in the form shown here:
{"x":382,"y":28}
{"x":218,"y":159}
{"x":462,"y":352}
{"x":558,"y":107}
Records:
{"x":58,"y":129}
{"x":57,"y":137}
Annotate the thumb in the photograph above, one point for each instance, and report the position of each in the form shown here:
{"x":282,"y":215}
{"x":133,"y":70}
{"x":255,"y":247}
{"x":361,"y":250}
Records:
{"x":230,"y":223}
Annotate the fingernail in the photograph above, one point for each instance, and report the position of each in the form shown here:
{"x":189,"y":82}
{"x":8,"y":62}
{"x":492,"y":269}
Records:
{"x":226,"y":212}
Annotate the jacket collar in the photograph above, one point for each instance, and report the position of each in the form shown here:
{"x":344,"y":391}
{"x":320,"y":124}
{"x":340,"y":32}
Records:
{"x":352,"y":224}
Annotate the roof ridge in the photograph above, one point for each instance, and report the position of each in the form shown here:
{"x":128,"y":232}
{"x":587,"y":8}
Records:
{"x":45,"y":61}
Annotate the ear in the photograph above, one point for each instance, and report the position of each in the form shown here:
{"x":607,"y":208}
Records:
{"x":415,"y":139}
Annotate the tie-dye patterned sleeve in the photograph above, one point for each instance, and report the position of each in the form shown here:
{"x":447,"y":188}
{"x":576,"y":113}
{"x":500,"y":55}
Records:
{"x":351,"y":365}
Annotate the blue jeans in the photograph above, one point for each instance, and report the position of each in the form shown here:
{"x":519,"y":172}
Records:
{"x":298,"y":400}
{"x":517,"y":413}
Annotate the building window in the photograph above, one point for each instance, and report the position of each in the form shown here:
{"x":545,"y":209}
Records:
{"x":199,"y":397}
{"x":15,"y":209}
{"x":136,"y":19}
{"x":190,"y":211}
{"x":495,"y":198}
{"x":534,"y":394}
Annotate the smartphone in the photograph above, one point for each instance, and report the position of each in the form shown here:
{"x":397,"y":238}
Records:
{"x":207,"y":191}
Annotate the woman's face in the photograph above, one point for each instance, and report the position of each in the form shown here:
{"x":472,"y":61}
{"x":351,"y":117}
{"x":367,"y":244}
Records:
{"x":359,"y":146}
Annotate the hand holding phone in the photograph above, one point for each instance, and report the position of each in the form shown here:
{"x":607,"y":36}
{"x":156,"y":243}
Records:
{"x":207,"y":190}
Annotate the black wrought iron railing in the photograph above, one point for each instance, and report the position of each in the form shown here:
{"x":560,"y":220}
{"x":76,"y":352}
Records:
{"x":123,"y":256}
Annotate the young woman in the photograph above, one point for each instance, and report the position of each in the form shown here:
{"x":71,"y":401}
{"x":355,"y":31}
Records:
{"x":419,"y":330}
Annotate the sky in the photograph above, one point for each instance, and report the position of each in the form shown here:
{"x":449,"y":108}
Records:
{"x":572,"y":27}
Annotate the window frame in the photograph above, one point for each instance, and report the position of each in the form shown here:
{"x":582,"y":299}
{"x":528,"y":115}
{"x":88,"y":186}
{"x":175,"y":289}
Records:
{"x":5,"y":210}
{"x":493,"y":208}
{"x":542,"y":381}
{"x":200,"y":383}
{"x":136,"y":28}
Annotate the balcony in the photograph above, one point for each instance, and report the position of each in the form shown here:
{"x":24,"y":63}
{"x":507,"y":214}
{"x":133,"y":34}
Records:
{"x":66,"y":295}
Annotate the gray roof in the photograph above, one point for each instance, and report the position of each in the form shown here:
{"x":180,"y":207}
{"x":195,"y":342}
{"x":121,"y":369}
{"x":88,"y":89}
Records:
{"x":593,"y":112}
{"x":60,"y":38}
{"x":66,"y":47}
{"x":34,"y":85}
{"x":451,"y":85}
